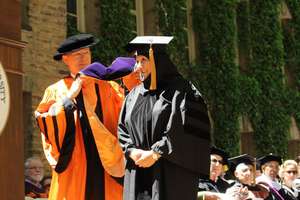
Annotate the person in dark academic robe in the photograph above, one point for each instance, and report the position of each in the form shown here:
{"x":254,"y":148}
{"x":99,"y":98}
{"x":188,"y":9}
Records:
{"x":34,"y":172}
{"x":78,"y":118}
{"x":218,"y":166}
{"x":164,"y":129}
{"x":269,"y":166}
{"x":242,"y":168}
{"x":214,"y":185}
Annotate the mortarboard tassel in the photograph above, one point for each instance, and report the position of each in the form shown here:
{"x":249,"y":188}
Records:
{"x":225,"y":168}
{"x":153,"y":69}
{"x":254,"y":172}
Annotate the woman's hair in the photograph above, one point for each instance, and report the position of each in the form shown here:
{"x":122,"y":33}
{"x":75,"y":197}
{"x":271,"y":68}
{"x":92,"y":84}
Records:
{"x":166,"y":71}
{"x":285,"y":164}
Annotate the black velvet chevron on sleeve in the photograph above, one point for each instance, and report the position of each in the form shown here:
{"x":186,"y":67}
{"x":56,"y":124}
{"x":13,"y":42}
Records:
{"x":68,"y":144}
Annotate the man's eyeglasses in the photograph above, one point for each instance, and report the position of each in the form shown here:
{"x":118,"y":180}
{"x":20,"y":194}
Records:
{"x":215,"y":161}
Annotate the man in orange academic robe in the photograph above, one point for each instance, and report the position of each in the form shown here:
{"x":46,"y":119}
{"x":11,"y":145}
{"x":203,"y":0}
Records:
{"x":78,"y":120}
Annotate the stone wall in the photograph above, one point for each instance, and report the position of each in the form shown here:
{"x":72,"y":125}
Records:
{"x":47,"y":29}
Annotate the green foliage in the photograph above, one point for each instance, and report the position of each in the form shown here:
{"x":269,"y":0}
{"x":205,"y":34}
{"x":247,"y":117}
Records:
{"x":215,"y":25}
{"x":258,"y":91}
{"x":292,"y":44}
{"x":243,"y":35}
{"x":249,"y":92}
{"x":117,"y":29}
{"x":172,"y":20}
{"x":270,"y":118}
{"x":292,"y":56}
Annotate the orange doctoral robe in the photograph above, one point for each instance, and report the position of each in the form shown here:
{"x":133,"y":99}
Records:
{"x":80,"y":141}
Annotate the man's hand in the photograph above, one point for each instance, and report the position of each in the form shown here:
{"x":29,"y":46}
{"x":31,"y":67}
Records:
{"x":147,"y":159}
{"x":237,"y":193}
{"x":75,"y":88}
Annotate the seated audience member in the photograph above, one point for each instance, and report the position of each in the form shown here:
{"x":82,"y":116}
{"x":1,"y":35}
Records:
{"x":242,"y":167}
{"x":269,"y":166}
{"x":288,"y":174}
{"x":34,"y":172}
{"x":218,"y":166}
{"x":215,"y":185}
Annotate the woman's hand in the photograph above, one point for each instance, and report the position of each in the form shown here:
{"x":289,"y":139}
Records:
{"x":147,"y":159}
{"x":135,"y":154}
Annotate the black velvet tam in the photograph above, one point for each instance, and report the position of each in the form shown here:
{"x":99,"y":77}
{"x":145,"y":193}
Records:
{"x":74,"y":43}
{"x":268,"y":158}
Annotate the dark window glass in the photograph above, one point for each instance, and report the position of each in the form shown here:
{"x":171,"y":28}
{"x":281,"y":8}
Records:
{"x":71,"y":18}
{"x":71,"y":6}
{"x":25,"y":17}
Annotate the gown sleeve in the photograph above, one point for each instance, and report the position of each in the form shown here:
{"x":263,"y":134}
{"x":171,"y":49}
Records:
{"x":123,"y":134}
{"x":186,"y":133}
{"x":160,"y":119}
{"x":57,"y":124}
{"x":118,"y":97}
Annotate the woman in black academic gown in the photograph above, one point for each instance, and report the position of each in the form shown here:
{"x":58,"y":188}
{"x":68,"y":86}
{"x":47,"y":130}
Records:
{"x":163,"y":129}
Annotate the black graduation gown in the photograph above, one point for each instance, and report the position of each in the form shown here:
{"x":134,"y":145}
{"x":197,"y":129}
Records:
{"x":289,"y":193}
{"x":33,"y":191}
{"x":172,"y":121}
{"x":220,"y":186}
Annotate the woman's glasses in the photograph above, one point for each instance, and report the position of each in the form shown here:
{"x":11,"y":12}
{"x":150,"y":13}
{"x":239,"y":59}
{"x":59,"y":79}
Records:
{"x":290,"y":172}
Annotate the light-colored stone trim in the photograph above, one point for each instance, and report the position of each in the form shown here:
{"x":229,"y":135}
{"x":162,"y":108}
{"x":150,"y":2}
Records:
{"x":139,"y":12}
{"x":190,"y":32}
{"x":81,"y":16}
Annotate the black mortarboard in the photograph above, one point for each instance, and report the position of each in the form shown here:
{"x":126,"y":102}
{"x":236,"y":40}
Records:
{"x":149,"y":46}
{"x":74,"y":43}
{"x":219,"y":152}
{"x":267,"y":158}
{"x":235,"y":161}
{"x":246,"y":159}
